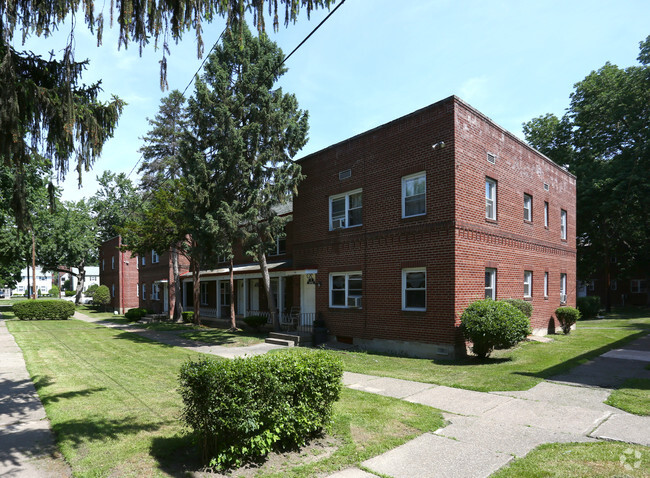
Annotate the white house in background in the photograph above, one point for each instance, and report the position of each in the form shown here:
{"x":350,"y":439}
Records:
{"x":43,"y":282}
{"x":92,"y":277}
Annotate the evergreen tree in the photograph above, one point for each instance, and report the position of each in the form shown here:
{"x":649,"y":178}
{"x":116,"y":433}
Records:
{"x":114,"y":203}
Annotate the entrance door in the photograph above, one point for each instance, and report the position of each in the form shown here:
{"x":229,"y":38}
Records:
{"x":241,"y":297}
{"x":165,"y":298}
{"x":307,"y":300}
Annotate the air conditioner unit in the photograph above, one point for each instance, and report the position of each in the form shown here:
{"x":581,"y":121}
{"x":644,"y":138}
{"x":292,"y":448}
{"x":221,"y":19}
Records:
{"x":563,"y":298}
{"x":338,"y":223}
{"x":354,"y":302}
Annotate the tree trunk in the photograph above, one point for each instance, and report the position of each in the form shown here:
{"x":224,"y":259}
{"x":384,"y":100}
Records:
{"x":33,"y":266}
{"x":264,"y":268}
{"x":178,"y":291}
{"x":233,"y":319}
{"x":81,"y":278}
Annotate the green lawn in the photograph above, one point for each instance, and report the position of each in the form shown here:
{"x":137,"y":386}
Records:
{"x":112,"y":400}
{"x":519,"y":368}
{"x":581,"y":460}
{"x":633,"y":396}
{"x":224,"y":337}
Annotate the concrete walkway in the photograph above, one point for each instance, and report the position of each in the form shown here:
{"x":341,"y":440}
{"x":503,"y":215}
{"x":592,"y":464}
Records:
{"x":26,"y":443}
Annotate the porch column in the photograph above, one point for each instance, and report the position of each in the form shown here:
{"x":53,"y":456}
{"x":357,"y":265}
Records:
{"x":218,"y":282}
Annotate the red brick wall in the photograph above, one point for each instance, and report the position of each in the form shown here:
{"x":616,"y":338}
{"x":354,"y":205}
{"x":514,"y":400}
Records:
{"x":159,"y":271}
{"x":122,"y":274}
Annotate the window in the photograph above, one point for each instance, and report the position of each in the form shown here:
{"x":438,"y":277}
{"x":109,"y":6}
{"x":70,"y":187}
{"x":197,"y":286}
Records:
{"x":144,"y":262}
{"x":113,"y":290}
{"x":545,"y":284}
{"x":414,"y":289}
{"x":144,"y":291}
{"x":345,"y":210}
{"x":345,"y":289}
{"x":528,"y":207}
{"x":491,"y":158}
{"x":204,"y":293}
{"x":414,"y":189}
{"x":137,"y":290}
{"x":545,"y":214}
{"x":155,"y":291}
{"x":224,"y":291}
{"x":223,"y":258}
{"x":613,"y":285}
{"x":280,"y":246}
{"x":103,"y":264}
{"x":490,"y":199}
{"x":563,"y":223}
{"x":490,"y":283}
{"x":563,"y":288}
{"x":528,"y":283}
{"x":638,"y":286}
{"x":154,"y":257}
{"x":113,"y":262}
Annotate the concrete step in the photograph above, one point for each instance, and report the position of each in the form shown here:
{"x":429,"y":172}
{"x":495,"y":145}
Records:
{"x":289,"y":337}
{"x":285,"y":343}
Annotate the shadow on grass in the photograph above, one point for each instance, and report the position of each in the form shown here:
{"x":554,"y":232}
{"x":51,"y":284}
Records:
{"x":176,"y":455}
{"x":81,"y":431}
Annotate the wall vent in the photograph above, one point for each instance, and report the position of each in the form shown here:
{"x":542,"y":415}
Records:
{"x":491,"y":158}
{"x":345,"y":174}
{"x":546,"y":188}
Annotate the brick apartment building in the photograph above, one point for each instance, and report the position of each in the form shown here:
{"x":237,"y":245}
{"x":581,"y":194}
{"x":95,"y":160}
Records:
{"x":396,"y":230}
{"x":119,"y":272}
{"x":156,"y":281}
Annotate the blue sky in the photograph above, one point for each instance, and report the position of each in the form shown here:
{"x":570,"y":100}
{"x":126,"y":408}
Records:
{"x":376,"y":60}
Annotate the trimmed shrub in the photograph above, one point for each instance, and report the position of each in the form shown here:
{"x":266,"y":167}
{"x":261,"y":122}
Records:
{"x":102,"y":296}
{"x":491,"y":324}
{"x":54,"y":292}
{"x":567,"y":316}
{"x":588,"y":306}
{"x":255,"y":321}
{"x":188,"y":316}
{"x":70,"y":293}
{"x":91,"y":290}
{"x":44,"y":309}
{"x":525,"y":306}
{"x":135,"y":314}
{"x":247,"y":407}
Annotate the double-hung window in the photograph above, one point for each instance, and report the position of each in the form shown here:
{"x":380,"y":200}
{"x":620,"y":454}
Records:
{"x":563,"y":288}
{"x":144,"y":262}
{"x":545,"y":214}
{"x":204,"y":293}
{"x":280,"y":246}
{"x":414,"y":289}
{"x":638,"y":286}
{"x":137,"y":290}
{"x":563,"y":224}
{"x":144,"y":291}
{"x":113,"y":262}
{"x":490,"y":199}
{"x":345,"y":210}
{"x":224,"y":291}
{"x":154,"y":257}
{"x":414,"y":188}
{"x":155,"y":292}
{"x":113,"y":290}
{"x":545,"y":284}
{"x":528,"y":283}
{"x":346,"y":289}
{"x":490,"y":283}
{"x":528,"y":207}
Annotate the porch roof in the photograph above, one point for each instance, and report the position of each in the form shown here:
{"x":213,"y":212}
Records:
{"x":252,"y":271}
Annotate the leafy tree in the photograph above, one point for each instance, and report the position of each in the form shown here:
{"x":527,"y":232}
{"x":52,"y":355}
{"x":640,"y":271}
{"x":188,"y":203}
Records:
{"x":114,"y":203}
{"x":90,"y":291}
{"x":603,"y":138}
{"x":72,"y":241}
{"x":102,"y":297}
{"x":246,"y":134}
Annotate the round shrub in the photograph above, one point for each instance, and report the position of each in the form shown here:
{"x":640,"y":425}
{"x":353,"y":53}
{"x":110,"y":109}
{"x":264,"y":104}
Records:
{"x":490,"y":324}
{"x":102,"y":296}
{"x":54,"y":292}
{"x":91,"y":290}
{"x":567,"y":316}
{"x":44,"y":309}
{"x":588,"y":306}
{"x":188,"y":316}
{"x":255,"y":321}
{"x":70,"y":293}
{"x":525,"y":306}
{"x":135,"y":314}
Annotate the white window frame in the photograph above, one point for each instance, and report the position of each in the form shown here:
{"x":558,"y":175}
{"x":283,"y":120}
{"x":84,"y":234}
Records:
{"x":112,"y":262}
{"x":137,"y":290}
{"x":347,"y":210}
{"x":493,"y":283}
{"x":528,"y":284}
{"x":203,"y":294}
{"x":276,"y":250}
{"x":563,"y":224}
{"x":155,"y":291}
{"x":405,"y":272}
{"x":546,"y":214}
{"x":563,"y":286}
{"x":144,"y":261}
{"x":491,"y":198}
{"x":155,"y":258}
{"x":346,"y":289}
{"x":545,"y":284}
{"x":224,"y":292}
{"x":407,"y":179}
{"x":103,"y":264}
{"x":636,"y":286}
{"x":528,"y":207}
{"x":144,"y":291}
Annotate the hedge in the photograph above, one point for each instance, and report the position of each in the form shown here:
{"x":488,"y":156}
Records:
{"x":567,"y":316}
{"x":44,"y":309}
{"x":588,"y":306}
{"x":188,"y":316}
{"x":135,"y":314}
{"x":245,"y":408}
{"x":525,"y":306}
{"x":491,"y":324}
{"x":255,"y":321}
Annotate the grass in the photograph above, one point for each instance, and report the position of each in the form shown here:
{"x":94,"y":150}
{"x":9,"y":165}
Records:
{"x":94,"y":313}
{"x":633,"y":396}
{"x":581,"y":460}
{"x":519,"y":368}
{"x":111,"y":397}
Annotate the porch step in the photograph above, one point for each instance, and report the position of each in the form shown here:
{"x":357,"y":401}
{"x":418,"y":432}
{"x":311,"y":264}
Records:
{"x":295,"y":338}
{"x":283,"y":342}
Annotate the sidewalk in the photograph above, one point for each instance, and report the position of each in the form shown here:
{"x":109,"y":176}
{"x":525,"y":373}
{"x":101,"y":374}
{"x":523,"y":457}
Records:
{"x":26,"y":443}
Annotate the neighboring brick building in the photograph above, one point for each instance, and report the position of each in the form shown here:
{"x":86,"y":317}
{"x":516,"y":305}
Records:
{"x":396,"y":230}
{"x":119,"y":272}
{"x":156,"y":281}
